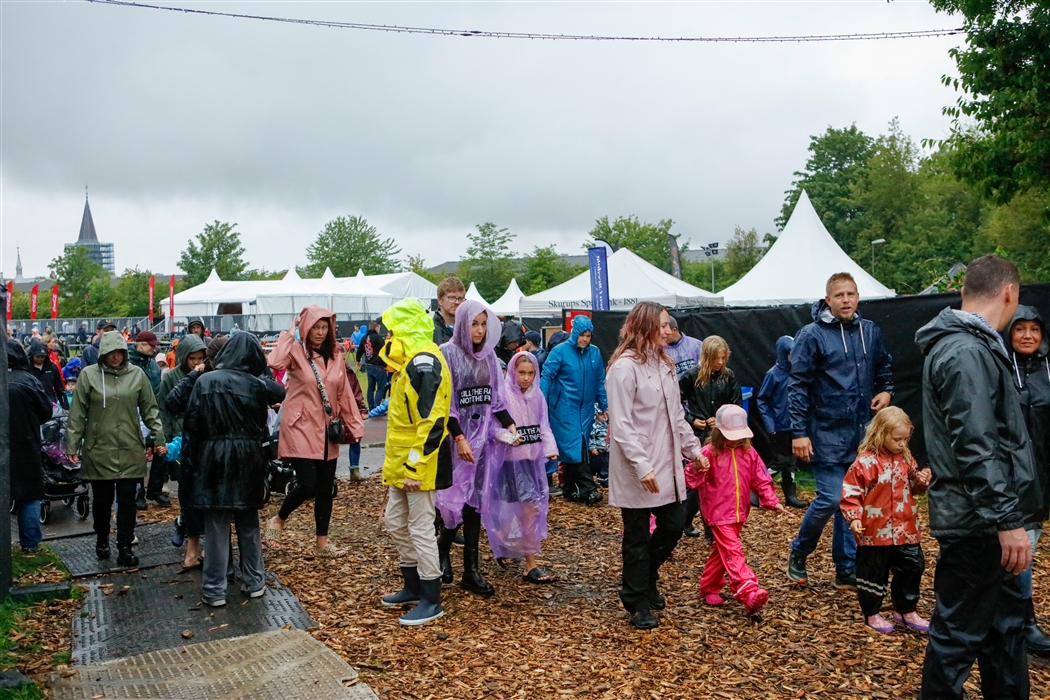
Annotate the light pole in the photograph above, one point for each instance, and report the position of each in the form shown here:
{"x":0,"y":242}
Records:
{"x":877,"y":241}
{"x":711,"y":251}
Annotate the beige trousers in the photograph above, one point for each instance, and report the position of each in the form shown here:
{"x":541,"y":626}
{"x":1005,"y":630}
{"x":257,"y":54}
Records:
{"x":409,"y":520}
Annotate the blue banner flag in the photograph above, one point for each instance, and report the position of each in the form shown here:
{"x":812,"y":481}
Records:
{"x":599,"y":278}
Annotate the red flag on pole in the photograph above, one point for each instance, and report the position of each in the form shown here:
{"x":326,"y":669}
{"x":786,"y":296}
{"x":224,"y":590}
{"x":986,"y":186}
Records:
{"x":32,"y":301}
{"x":10,"y":296}
{"x":171,"y":297}
{"x":54,"y":302}
{"x":151,"y":299}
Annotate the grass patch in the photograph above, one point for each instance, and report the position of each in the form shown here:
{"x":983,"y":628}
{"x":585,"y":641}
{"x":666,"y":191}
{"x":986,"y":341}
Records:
{"x":11,"y":614}
{"x":23,"y":565}
{"x":25,"y":692}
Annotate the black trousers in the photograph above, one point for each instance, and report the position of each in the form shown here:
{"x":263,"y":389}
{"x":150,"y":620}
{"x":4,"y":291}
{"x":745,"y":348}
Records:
{"x":692,"y":505}
{"x":102,"y":493}
{"x":314,"y":478}
{"x":577,"y":481}
{"x":643,"y":554}
{"x":979,"y":615}
{"x":783,"y":460}
{"x":158,"y":476}
{"x":873,"y":570}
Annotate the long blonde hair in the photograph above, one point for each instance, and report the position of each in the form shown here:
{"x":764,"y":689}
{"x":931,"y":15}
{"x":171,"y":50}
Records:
{"x":880,"y":428}
{"x":713,"y":344}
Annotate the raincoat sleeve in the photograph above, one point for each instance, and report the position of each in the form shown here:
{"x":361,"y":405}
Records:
{"x":550,"y":445}
{"x":913,"y":470}
{"x":281,"y":356}
{"x":179,"y":397}
{"x":687,"y":390}
{"x":803,"y":374}
{"x":77,"y":419}
{"x":690,"y":443}
{"x":974,"y":434}
{"x":762,"y":482}
{"x":854,"y":488}
{"x":149,"y":411}
{"x":603,"y":397}
{"x":547,"y":377}
{"x":734,"y":392}
{"x":348,"y":410}
{"x":274,"y":391}
{"x":622,"y":427}
{"x":883,"y":364}
{"x":764,"y":399}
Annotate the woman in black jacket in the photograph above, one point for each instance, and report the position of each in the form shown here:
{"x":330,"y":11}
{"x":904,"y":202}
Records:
{"x":225,"y":468}
{"x":706,"y":388}
{"x":47,"y":373}
{"x":29,"y":408}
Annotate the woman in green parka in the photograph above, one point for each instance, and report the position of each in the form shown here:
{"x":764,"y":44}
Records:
{"x":104,"y":431}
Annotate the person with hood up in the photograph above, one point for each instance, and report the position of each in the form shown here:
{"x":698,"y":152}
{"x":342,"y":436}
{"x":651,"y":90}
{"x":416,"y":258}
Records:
{"x":841,"y":375}
{"x":573,"y":382}
{"x":683,"y":349}
{"x":516,"y":499}
{"x":141,"y":354}
{"x":418,"y":461}
{"x":47,"y":373}
{"x":318,"y":398}
{"x":511,"y":339}
{"x":196,"y":327}
{"x":1028,"y":345}
{"x":985,"y":487}
{"x":226,"y":463}
{"x":91,"y":352}
{"x":72,"y":369}
{"x":648,"y":437}
{"x":477,"y":403}
{"x":103,"y":434}
{"x":772,"y":398}
{"x":189,"y":365}
{"x":28,"y":409}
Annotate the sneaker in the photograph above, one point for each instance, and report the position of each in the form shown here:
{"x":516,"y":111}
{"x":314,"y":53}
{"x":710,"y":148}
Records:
{"x":140,"y":500}
{"x":555,"y":490}
{"x":214,"y":603}
{"x":879,"y":624}
{"x":846,"y":581}
{"x":912,"y":621}
{"x":258,"y":593}
{"x":30,"y":550}
{"x":797,"y":568}
{"x":714,"y":599}
{"x":603,"y":481}
{"x":754,"y":600}
{"x":691,"y":532}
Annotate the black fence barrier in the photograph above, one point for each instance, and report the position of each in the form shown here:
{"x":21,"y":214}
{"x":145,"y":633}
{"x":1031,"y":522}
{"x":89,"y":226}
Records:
{"x":752,"y":334}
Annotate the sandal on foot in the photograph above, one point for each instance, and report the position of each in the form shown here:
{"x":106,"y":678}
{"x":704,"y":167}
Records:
{"x":273,"y":536}
{"x":504,"y":562}
{"x":912,"y":621}
{"x":879,"y":624}
{"x":539,"y":576}
{"x":329,"y":551}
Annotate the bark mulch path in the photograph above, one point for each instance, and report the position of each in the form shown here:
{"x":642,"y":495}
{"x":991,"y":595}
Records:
{"x":572,"y":638}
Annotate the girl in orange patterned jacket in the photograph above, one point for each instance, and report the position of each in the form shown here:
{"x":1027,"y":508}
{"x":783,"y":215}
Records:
{"x":878,"y":503}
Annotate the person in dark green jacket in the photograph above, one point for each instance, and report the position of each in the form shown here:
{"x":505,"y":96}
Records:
{"x":103,"y":434}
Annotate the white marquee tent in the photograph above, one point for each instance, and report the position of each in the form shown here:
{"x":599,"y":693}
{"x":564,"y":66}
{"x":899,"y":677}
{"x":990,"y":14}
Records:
{"x":509,"y":303}
{"x":795,"y":268}
{"x":631,"y":280}
{"x":352,"y":295}
{"x":403,"y":285}
{"x":474,"y":295}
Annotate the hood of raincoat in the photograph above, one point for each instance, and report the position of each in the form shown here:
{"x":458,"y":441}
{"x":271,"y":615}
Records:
{"x":1027,"y":313}
{"x":312,"y":314}
{"x":412,"y":329}
{"x":189,"y":345}
{"x":784,"y":345}
{"x":215,"y":346}
{"x":821,"y":313}
{"x":242,"y":352}
{"x":16,"y":355}
{"x":195,"y":322}
{"x":112,"y":342}
{"x":72,"y":368}
{"x":950,"y":321}
{"x":511,"y":381}
{"x":556,"y":339}
{"x":580,"y":325}
{"x":461,"y":333}
{"x":512,"y":335}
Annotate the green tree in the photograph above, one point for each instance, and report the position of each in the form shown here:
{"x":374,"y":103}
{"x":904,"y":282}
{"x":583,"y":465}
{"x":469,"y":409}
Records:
{"x":489,"y":263}
{"x":1021,"y":231}
{"x":20,"y":305}
{"x":262,"y":274}
{"x":836,"y":162}
{"x":1000,"y":135}
{"x":743,"y":252}
{"x":218,"y":246}
{"x":416,"y":264}
{"x":544,"y":268}
{"x":648,"y":241}
{"x":698,"y":274}
{"x":348,"y":244}
{"x":130,"y":295}
{"x":78,"y":276}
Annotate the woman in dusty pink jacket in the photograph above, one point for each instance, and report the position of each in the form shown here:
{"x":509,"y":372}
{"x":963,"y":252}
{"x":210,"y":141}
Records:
{"x":304,"y":444}
{"x":648,"y":435}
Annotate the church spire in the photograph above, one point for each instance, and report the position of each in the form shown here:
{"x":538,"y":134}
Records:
{"x":87,"y":224}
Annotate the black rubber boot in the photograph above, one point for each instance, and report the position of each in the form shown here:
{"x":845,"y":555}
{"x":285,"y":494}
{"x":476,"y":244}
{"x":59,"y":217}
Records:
{"x":411,"y":591}
{"x":445,"y":539}
{"x":1037,"y":642}
{"x":126,"y":557}
{"x":429,"y":606}
{"x":102,"y":546}
{"x":644,"y":619}
{"x":472,"y":580}
{"x":787,"y":482}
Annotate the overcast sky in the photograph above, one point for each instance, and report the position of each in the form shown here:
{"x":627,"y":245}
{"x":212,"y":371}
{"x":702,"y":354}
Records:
{"x":176,"y":120}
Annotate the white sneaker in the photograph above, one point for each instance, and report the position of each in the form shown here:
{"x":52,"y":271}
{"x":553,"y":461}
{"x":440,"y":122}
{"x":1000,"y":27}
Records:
{"x":215,"y":603}
{"x":257,"y":594}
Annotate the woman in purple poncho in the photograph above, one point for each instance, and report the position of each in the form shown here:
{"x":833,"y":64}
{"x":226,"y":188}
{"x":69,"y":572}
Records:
{"x":516,"y":498}
{"x":477,"y":401}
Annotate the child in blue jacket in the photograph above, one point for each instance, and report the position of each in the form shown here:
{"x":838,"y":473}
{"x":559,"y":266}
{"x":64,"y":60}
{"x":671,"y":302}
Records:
{"x":772,"y":400}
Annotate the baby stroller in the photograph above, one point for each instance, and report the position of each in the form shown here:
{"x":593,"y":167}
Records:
{"x":61,"y":476}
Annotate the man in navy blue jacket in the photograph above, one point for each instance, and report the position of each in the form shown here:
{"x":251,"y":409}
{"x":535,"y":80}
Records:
{"x":840,"y":376}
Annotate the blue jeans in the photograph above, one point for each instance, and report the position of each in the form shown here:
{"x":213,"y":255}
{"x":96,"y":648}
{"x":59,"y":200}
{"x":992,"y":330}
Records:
{"x":354,"y":453}
{"x":29,"y":534}
{"x":1026,"y":575}
{"x":378,"y":381}
{"x":825,"y":506}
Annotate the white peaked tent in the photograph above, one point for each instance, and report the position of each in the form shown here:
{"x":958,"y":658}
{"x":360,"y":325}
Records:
{"x":404,"y":284}
{"x":474,"y":295}
{"x":205,"y":298}
{"x":352,"y":295}
{"x":631,"y":280}
{"x":510,"y":302}
{"x":795,"y":268}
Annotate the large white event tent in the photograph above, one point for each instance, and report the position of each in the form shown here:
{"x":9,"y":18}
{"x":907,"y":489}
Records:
{"x":205,"y":298}
{"x":795,"y":269}
{"x":509,"y":303}
{"x":631,"y":280}
{"x":474,"y":295}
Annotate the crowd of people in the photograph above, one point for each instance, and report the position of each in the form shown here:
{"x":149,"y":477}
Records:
{"x":483,"y":424}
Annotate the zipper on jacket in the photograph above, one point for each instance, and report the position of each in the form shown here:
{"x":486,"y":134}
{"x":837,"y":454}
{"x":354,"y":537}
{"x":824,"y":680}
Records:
{"x":736,"y":484}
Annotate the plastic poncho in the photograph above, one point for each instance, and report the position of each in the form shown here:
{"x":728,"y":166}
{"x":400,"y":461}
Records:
{"x":477,"y":394}
{"x":516,"y":497}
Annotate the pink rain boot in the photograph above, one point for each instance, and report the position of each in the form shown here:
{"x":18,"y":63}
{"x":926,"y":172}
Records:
{"x":879,"y":624}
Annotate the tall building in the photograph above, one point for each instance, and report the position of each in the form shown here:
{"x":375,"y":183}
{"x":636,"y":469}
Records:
{"x":102,"y":253}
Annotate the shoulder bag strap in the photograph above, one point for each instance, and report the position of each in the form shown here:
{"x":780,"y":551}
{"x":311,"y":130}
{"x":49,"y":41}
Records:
{"x":320,"y":382}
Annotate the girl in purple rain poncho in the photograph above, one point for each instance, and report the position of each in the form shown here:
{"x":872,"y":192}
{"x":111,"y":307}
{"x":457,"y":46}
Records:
{"x":516,"y":497}
{"x":477,"y":402}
